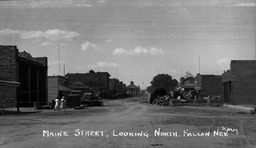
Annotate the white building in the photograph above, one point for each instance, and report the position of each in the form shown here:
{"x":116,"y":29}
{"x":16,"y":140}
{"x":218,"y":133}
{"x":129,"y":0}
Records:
{"x":132,"y":89}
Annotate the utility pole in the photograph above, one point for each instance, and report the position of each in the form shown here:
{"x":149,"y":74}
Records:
{"x":181,"y":72}
{"x":59,"y":58}
{"x":64,"y":70}
{"x":199,"y":64}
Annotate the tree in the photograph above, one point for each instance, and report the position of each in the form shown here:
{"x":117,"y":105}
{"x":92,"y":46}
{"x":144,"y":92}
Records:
{"x":164,"y":81}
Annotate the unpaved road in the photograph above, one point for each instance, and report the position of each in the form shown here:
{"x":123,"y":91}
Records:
{"x":107,"y":126}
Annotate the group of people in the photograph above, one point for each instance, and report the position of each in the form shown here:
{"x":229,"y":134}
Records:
{"x":59,"y":104}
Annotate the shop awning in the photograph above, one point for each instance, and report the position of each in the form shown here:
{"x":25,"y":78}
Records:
{"x":63,"y":88}
{"x":76,"y":91}
{"x":197,"y":88}
{"x":188,"y":86}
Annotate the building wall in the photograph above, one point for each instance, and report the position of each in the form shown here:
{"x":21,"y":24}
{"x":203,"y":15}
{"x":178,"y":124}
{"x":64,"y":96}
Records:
{"x":113,"y":85}
{"x":209,"y":85}
{"x":9,"y":72}
{"x":120,"y":87}
{"x":132,"y":89}
{"x":30,"y":72}
{"x":226,"y":76}
{"x":124,"y":88}
{"x":52,"y":88}
{"x":33,"y":79}
{"x":97,"y":81}
{"x":212,"y":85}
{"x":243,"y":76}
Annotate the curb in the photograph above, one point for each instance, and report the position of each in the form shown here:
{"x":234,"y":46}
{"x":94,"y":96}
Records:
{"x":244,"y":108}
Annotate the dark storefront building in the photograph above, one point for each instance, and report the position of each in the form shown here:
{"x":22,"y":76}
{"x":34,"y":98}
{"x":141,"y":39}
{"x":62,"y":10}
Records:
{"x":98,"y":82}
{"x":30,"y":72}
{"x":114,"y":86}
{"x":208,"y":85}
{"x":240,"y":83}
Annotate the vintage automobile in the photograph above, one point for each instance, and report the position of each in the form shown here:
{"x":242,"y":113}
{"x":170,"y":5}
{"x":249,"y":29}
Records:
{"x":91,"y":99}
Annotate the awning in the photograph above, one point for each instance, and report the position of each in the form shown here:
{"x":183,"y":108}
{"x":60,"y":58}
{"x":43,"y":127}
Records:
{"x":75,"y":91}
{"x":63,"y":88}
{"x":9,"y":83}
{"x":188,"y":86}
{"x":197,"y":88}
{"x":177,"y":88}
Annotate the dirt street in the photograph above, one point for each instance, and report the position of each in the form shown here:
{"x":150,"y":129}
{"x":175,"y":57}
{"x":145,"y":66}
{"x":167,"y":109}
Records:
{"x":129,"y":123}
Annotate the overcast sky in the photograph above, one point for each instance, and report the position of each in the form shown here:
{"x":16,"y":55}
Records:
{"x":132,"y":39}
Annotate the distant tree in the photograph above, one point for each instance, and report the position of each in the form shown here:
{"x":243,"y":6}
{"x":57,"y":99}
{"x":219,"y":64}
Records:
{"x":164,"y":81}
{"x":91,"y":71}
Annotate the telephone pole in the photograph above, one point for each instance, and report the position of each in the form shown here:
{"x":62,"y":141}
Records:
{"x":59,"y":59}
{"x":199,"y":64}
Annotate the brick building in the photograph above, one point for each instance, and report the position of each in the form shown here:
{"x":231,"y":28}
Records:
{"x":208,"y":85}
{"x":114,"y":86}
{"x":120,"y":87}
{"x":240,"y":82}
{"x":30,"y":72}
{"x":98,"y":82}
{"x":6,"y":99}
{"x":124,"y":88}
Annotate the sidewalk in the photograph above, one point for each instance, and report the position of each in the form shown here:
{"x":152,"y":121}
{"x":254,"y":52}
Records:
{"x":240,"y":107}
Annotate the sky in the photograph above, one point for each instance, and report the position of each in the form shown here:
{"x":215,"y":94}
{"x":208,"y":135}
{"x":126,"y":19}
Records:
{"x":133,"y":40}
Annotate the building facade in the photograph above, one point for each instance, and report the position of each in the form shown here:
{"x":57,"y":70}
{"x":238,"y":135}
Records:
{"x":133,"y":90}
{"x":57,"y":87}
{"x":29,"y":71}
{"x":240,"y":82}
{"x":114,"y":86}
{"x":5,"y":99}
{"x":208,"y":85}
{"x":124,"y":88}
{"x":187,"y":83}
{"x":9,"y":72}
{"x":98,"y":82}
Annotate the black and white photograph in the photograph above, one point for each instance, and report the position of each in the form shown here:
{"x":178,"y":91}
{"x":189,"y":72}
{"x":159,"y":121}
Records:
{"x":127,"y":73}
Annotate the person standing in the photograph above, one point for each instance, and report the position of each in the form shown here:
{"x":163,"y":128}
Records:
{"x":57,"y":104}
{"x":196,"y":99}
{"x":62,"y":103}
{"x":208,"y":100}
